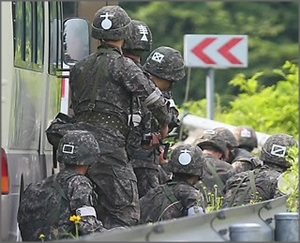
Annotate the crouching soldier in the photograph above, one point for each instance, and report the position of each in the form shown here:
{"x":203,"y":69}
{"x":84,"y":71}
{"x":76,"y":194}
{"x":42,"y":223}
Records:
{"x":260,"y":184}
{"x":178,"y":197}
{"x":50,"y":209}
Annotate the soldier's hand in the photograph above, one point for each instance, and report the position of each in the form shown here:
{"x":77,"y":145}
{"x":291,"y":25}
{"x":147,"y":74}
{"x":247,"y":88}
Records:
{"x":161,"y":159}
{"x":154,"y":142}
{"x":164,"y":130}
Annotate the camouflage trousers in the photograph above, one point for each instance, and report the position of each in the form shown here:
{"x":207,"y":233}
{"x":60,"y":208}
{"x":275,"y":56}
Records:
{"x":118,"y":201}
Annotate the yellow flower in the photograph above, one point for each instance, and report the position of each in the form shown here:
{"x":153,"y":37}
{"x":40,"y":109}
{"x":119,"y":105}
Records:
{"x":41,"y":237}
{"x":75,"y":219}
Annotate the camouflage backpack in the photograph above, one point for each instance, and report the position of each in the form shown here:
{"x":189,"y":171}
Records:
{"x":165,"y":200}
{"x":40,"y":207}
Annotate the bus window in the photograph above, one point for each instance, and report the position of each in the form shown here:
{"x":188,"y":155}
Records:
{"x":19,"y":34}
{"x":54,"y":35}
{"x":38,"y":36}
{"x":28,"y":34}
{"x":40,"y":33}
{"x":76,"y":40}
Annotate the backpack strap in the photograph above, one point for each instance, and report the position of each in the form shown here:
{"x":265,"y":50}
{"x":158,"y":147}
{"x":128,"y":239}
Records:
{"x":170,"y":197}
{"x":94,"y":66}
{"x":235,"y":191}
{"x":251,"y":186}
{"x":59,"y":188}
{"x":93,"y":96}
{"x":252,"y":182}
{"x":216,"y":177}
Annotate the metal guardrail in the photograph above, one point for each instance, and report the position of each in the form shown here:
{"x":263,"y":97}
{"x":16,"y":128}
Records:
{"x":212,"y":226}
{"x":197,"y":122}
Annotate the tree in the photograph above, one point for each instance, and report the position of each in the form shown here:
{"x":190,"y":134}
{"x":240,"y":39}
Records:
{"x":270,"y":109}
{"x":272,"y":29}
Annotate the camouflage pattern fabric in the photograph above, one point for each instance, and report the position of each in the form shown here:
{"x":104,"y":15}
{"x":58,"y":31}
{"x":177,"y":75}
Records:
{"x":118,"y":79}
{"x":223,"y":170}
{"x":111,"y":23}
{"x":146,"y":179}
{"x":78,"y":147}
{"x":188,"y":159}
{"x":151,"y":204}
{"x":246,"y":137}
{"x":118,"y":203}
{"x":228,"y":136}
{"x":121,"y":78}
{"x":147,"y":160}
{"x":163,"y":174}
{"x":265,"y":179}
{"x":242,"y":160}
{"x":166,"y":63}
{"x":140,"y":37}
{"x":79,"y":191}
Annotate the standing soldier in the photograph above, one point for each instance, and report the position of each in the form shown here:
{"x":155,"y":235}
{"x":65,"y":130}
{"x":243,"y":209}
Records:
{"x":165,"y":66}
{"x":179,"y":197}
{"x":102,"y":86}
{"x":138,"y":42}
{"x":260,"y":184}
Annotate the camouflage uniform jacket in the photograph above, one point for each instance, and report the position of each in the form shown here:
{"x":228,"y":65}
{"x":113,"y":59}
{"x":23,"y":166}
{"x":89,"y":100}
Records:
{"x":239,"y":191}
{"x":142,"y":158}
{"x":79,"y":190}
{"x":244,"y":160}
{"x":104,"y":82}
{"x":169,"y":201}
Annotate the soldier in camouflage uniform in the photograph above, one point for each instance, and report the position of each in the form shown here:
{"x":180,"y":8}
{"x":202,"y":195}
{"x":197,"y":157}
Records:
{"x":136,"y":44}
{"x":102,"y":86}
{"x":165,"y":66}
{"x":145,"y":159}
{"x":179,"y":197}
{"x":218,"y":171}
{"x":260,"y":184}
{"x":77,"y":150}
{"x":246,"y":137}
{"x":240,"y":159}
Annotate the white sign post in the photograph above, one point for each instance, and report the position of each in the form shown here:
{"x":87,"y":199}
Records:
{"x":215,"y":51}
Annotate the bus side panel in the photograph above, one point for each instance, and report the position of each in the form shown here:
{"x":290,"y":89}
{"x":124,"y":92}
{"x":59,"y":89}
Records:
{"x":54,"y":100}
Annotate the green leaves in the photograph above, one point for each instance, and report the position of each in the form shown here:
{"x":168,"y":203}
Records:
{"x":291,"y":177}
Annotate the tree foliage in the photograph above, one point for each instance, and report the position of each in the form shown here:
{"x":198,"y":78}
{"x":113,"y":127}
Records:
{"x":291,"y":180}
{"x":270,"y":109}
{"x":272,"y":29}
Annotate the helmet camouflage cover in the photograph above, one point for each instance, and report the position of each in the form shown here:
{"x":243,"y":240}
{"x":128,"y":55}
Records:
{"x":187,"y":159}
{"x":275,"y":149}
{"x":166,"y":63}
{"x":78,"y":147}
{"x":140,"y":37}
{"x":211,"y":138}
{"x":228,"y":137}
{"x":246,"y":136}
{"x":111,"y":23}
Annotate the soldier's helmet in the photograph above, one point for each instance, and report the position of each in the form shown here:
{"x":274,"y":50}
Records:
{"x":246,"y":137}
{"x":275,"y":149}
{"x":166,"y":63}
{"x":187,"y":159}
{"x":211,"y":138}
{"x":140,"y":37}
{"x":227,"y":136}
{"x":111,"y":23}
{"x":78,"y":147}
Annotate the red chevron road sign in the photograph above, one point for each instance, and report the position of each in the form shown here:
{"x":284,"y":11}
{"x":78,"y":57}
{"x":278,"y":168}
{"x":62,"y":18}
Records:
{"x":217,"y":51}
